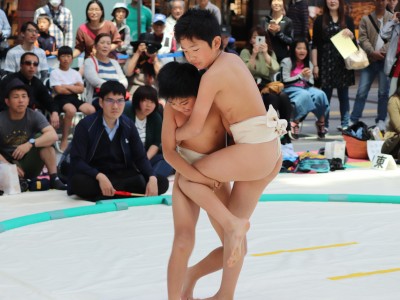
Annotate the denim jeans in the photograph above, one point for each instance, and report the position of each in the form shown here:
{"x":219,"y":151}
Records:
{"x":344,"y":105}
{"x":307,"y":100}
{"x":367,"y":77}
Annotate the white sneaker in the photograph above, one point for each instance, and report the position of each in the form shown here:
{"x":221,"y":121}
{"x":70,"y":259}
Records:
{"x":381,"y":125}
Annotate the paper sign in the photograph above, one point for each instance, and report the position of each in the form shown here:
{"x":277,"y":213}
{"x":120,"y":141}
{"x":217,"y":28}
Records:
{"x":383,"y":162}
{"x":374,"y":148}
{"x":335,"y":149}
{"x":343,"y":44}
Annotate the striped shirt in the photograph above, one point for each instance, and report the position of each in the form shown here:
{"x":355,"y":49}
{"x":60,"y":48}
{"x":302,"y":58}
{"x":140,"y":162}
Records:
{"x":107,"y":71}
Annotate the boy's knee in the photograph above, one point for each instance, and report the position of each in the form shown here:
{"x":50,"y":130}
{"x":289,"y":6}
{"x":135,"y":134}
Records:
{"x":184,"y":241}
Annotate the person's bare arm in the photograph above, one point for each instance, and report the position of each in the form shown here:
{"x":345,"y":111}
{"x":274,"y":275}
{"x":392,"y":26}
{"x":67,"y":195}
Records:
{"x":48,"y":138}
{"x":207,"y":91}
{"x":172,"y":157}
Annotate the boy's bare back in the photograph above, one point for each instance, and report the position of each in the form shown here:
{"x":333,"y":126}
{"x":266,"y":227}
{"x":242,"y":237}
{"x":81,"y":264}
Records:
{"x":229,"y":82}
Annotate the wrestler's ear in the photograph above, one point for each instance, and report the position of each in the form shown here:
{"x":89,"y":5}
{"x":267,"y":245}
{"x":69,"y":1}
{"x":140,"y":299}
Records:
{"x":216,"y":43}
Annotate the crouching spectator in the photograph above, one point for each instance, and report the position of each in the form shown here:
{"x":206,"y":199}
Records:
{"x":26,"y":138}
{"x":107,"y":154}
{"x":67,"y":83}
{"x":298,"y":79}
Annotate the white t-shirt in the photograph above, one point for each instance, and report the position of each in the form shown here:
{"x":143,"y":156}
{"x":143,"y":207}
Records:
{"x":13,"y":59}
{"x":60,"y":77}
{"x":141,"y":128}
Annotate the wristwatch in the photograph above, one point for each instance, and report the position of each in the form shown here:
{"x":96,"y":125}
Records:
{"x":32,"y":142}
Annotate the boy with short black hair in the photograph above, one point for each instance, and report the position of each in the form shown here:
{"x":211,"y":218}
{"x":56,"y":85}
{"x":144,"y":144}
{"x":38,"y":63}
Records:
{"x":67,"y":83}
{"x":255,"y":158}
{"x":46,"y":41}
{"x":178,"y":84}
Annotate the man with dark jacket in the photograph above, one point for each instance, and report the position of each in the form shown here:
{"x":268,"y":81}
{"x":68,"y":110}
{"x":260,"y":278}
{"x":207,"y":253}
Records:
{"x":107,"y":154}
{"x":40,"y":97}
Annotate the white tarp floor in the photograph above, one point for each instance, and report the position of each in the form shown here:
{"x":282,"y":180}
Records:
{"x":124,"y":254}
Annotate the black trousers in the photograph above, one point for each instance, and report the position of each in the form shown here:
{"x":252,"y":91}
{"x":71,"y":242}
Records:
{"x":281,"y":103}
{"x":88,"y":187}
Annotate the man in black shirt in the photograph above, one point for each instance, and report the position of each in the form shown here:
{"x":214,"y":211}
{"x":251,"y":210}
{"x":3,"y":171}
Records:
{"x":40,"y":97}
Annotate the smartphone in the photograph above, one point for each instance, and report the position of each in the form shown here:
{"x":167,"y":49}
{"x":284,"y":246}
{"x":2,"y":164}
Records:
{"x":260,"y":39}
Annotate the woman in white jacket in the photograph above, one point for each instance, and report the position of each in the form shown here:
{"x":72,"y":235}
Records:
{"x":101,"y":68}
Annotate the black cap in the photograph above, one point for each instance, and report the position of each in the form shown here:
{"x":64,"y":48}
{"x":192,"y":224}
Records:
{"x":225,"y":30}
{"x":16,"y":84}
{"x":148,"y":39}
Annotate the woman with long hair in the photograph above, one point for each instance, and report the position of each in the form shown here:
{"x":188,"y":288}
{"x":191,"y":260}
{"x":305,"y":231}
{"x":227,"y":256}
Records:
{"x":280,"y":29}
{"x":328,"y":64}
{"x":95,"y":24}
{"x":299,"y":81}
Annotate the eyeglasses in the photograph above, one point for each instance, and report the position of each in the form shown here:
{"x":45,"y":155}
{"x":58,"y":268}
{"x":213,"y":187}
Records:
{"x":30,"y":63}
{"x":30,"y":30}
{"x":110,"y":101}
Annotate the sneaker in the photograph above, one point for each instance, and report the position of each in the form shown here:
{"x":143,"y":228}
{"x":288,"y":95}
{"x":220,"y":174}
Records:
{"x":320,"y":129}
{"x":342,"y":128}
{"x":57,"y":184}
{"x":294,"y":130}
{"x":381,"y":125}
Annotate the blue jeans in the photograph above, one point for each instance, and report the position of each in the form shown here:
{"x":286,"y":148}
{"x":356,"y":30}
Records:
{"x":344,"y":105}
{"x":160,"y":166}
{"x":367,"y":77}
{"x":307,"y":100}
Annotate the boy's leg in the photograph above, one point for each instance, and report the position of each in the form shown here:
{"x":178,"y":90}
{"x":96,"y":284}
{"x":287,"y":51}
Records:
{"x":213,"y":261}
{"x":243,"y":200}
{"x":185,"y":214}
{"x":234,"y":228}
{"x":69,"y":110}
{"x":87,"y":108}
{"x":240,"y":162}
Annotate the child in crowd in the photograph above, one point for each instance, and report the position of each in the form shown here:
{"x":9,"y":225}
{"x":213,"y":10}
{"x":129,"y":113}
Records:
{"x":255,"y":159}
{"x":45,"y":40}
{"x":299,"y":80}
{"x":67,"y":83}
{"x":178,"y":84}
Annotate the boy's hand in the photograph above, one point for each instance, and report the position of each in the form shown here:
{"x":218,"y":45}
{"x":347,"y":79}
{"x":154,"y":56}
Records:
{"x":55,"y":120}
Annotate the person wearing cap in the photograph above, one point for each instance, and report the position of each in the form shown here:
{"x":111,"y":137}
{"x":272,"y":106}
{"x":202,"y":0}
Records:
{"x":29,"y":34}
{"x":61,"y":27}
{"x":26,"y":138}
{"x":119,"y":13}
{"x":206,"y":4}
{"x":225,"y":39}
{"x":160,"y":36}
{"x":132,"y":21}
{"x":39,"y":96}
{"x":46,"y":41}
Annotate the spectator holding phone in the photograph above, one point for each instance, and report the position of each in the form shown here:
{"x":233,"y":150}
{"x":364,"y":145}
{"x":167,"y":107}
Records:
{"x":280,"y":29}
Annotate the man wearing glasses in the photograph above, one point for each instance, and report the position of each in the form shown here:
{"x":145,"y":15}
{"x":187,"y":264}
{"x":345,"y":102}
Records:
{"x":39,"y":94}
{"x":29,"y":34}
{"x":107,"y":154}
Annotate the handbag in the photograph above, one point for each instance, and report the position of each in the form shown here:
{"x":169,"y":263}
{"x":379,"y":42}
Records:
{"x":357,"y":60}
{"x":9,"y":181}
{"x":274,"y":87}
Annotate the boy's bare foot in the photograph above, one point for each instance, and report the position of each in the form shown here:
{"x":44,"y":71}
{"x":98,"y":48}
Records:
{"x":188,"y":286}
{"x":234,"y":240}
